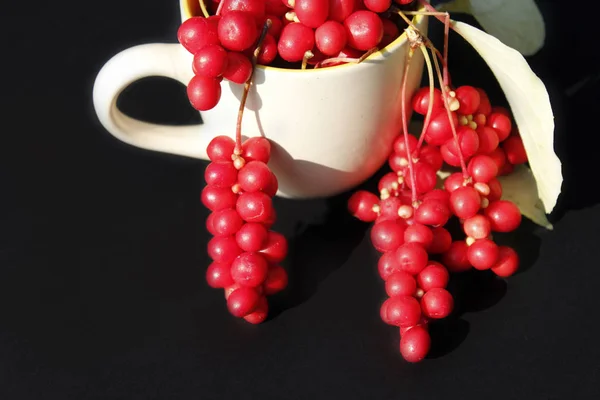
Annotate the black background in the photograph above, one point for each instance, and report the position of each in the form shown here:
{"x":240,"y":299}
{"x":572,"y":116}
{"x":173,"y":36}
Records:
{"x":102,"y":247}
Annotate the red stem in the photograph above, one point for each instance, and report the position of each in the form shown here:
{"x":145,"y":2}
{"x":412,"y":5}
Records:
{"x":411,"y":169}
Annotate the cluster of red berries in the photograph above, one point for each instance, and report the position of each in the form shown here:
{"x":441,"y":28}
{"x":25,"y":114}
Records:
{"x":311,"y":30}
{"x":246,"y":253}
{"x":411,"y":211}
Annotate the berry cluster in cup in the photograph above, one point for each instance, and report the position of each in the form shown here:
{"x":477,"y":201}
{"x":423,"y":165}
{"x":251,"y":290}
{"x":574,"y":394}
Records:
{"x":300,"y":34}
{"x":412,"y":211}
{"x":246,"y":253}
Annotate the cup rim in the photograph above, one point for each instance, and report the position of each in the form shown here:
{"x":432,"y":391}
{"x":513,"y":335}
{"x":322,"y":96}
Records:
{"x":390,"y":48}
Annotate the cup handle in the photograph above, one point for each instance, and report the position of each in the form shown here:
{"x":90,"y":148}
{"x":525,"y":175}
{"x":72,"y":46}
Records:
{"x":155,"y":59}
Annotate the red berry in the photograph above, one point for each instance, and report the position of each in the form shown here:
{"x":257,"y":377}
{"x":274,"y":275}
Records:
{"x":495,"y":190}
{"x":210,"y":61}
{"x":361,"y":205}
{"x":400,"y":283}
{"x":224,"y":222}
{"x":196,"y":32}
{"x":339,"y":10}
{"x":425,"y":177}
{"x":412,"y":258}
{"x":441,"y":242}
{"x":401,"y":311}
{"x":437,"y":303}
{"x":453,"y":182}
{"x":482,"y":168}
{"x":482,"y":254}
{"x":239,"y":68}
{"x":488,"y":139}
{"x":432,"y":212}
{"x":256,"y":8}
{"x":439,"y":129}
{"x":260,"y":313}
{"x":485,"y":107}
{"x":254,"y":176}
{"x":249,"y":269}
{"x":378,"y":6}
{"x":415,"y":344}
{"x":515,"y":150}
{"x":237,"y":30}
{"x":276,"y":7}
{"x":432,"y":156}
{"x":220,"y":174}
{"x":435,"y":275}
{"x":268,"y":50}
{"x":223,"y":249}
{"x":273,"y":186}
{"x":390,"y":32}
{"x":220,"y":148}
{"x":243,"y":301}
{"x":501,"y":124}
{"x":251,"y":236}
{"x":276,"y":25}
{"x":477,"y":227}
{"x":504,"y":215}
{"x":255,"y":207}
{"x":507,"y":263}
{"x":203,"y":92}
{"x":499,"y":157}
{"x":330,"y":38}
{"x":455,"y":259}
{"x":388,"y":182}
{"x":399,"y":145}
{"x":215,"y":198}
{"x":277,"y":280}
{"x":420,"y":100}
{"x":468,"y":143}
{"x":418,"y":233}
{"x":388,"y":208}
{"x":465,"y":202}
{"x":312,"y":13}
{"x":387,"y":235}
{"x":437,"y":194}
{"x":387,"y":265}
{"x":276,"y":247}
{"x":295,"y":40}
{"x":256,"y":148}
{"x":218,"y":275}
{"x":364,"y":29}
{"x":469,"y":99}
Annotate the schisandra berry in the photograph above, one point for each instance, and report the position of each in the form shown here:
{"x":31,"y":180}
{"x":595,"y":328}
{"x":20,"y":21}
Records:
{"x":218,"y":275}
{"x":220,"y":174}
{"x":224,"y":222}
{"x":439,"y":129}
{"x":196,"y":32}
{"x":420,"y":100}
{"x":249,"y":269}
{"x":275,"y":248}
{"x":401,"y":311}
{"x":330,"y":38}
{"x":239,"y":68}
{"x":415,"y":343}
{"x":220,"y":148}
{"x":218,"y":198}
{"x":400,"y":283}
{"x":260,"y":313}
{"x":468,"y":98}
{"x":488,"y":139}
{"x":434,"y":275}
{"x":441,"y":242}
{"x":432,"y":212}
{"x":254,"y":176}
{"x":482,"y":168}
{"x":252,"y":236}
{"x":268,"y":50}
{"x":504,"y":216}
{"x":361,"y":205}
{"x":515,"y":150}
{"x":256,"y":8}
{"x":501,"y":123}
{"x":455,"y":259}
{"x":507,"y":263}
{"x":387,"y":235}
{"x":237,"y":30}
{"x":437,"y":303}
{"x":387,"y":265}
{"x":210,"y":61}
{"x":482,"y":254}
{"x":418,"y":233}
{"x":257,"y":148}
{"x":312,"y":13}
{"x":364,"y":29}
{"x":477,"y":227}
{"x":465,"y":202}
{"x":203,"y":92}
{"x":223,"y":249}
{"x":412,"y":258}
{"x":295,"y":40}
{"x":243,"y":301}
{"x":255,"y":207}
{"x":277,"y":280}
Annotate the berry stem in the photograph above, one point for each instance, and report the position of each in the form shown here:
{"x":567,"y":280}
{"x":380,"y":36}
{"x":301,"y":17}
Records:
{"x":411,"y":169}
{"x":446,"y":22}
{"x":307,"y":56}
{"x":238,"y":129}
{"x":203,"y":8}
{"x":219,"y":7}
{"x":423,"y":49}
{"x":367,"y":54}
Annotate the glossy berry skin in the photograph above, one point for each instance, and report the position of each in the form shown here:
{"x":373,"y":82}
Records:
{"x":277,"y":280}
{"x":465,"y":202}
{"x":495,"y":190}
{"x":256,"y":8}
{"x":268,"y":51}
{"x":210,"y":61}
{"x":364,"y":29}
{"x":295,"y":40}
{"x":220,"y":174}
{"x":215,"y":198}
{"x":441,"y":242}
{"x":432,"y":212}
{"x":387,"y":265}
{"x":437,"y":303}
{"x":361,"y":205}
{"x":455,"y":259}
{"x":239,"y":68}
{"x":255,"y":207}
{"x":260,"y":313}
{"x":420,"y":100}
{"x":256,"y":148}
{"x":223,"y":249}
{"x":507,"y":263}
{"x":425,"y":177}
{"x":254,"y":176}
{"x":415,"y":343}
{"x":485,"y":107}
{"x":482,"y":168}
{"x":330,"y":38}
{"x":501,"y":123}
{"x":339,"y":10}
{"x":237,"y":30}
{"x":400,"y":283}
{"x":218,"y":275}
{"x":468,"y":98}
{"x":412,"y":258}
{"x":432,"y":156}
{"x":275,"y":248}
{"x":401,"y":311}
{"x":224,"y":222}
{"x":515,"y":150}
{"x":439,"y":129}
{"x":477,"y":227}
{"x":504,"y":216}
{"x":453,"y":182}
{"x":203,"y":92}
{"x":488,"y":139}
{"x":434,"y":275}
{"x":312,"y":13}
{"x":482,"y":254}
{"x":378,"y":6}
{"x":418,"y":233}
{"x":242,"y":301}
{"x":252,"y":236}
{"x":220,"y":148}
{"x":249,"y":269}
{"x":197,"y":32}
{"x":387,"y":235}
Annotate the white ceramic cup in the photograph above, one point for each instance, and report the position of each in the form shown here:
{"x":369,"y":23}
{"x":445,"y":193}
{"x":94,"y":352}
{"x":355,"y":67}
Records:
{"x":331,"y":128}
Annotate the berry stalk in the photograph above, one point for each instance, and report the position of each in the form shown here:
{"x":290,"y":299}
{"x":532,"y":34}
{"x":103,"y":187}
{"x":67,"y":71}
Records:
{"x":411,"y":169}
{"x":431,"y":91}
{"x":203,"y":8}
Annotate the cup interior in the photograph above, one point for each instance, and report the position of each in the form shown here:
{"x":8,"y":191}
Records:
{"x":191,"y":8}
